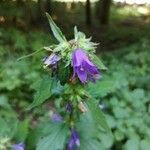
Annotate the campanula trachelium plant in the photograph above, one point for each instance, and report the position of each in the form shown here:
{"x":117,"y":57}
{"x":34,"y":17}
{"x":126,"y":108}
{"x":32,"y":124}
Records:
{"x":70,"y":66}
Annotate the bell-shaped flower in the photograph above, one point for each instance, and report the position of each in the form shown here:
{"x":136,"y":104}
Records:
{"x":73,"y":140}
{"x":51,"y":60}
{"x":83,"y":67}
{"x":19,"y":146}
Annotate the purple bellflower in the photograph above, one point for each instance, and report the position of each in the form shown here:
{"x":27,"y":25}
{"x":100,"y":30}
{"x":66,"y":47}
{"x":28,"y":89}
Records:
{"x":83,"y":67}
{"x":56,"y":118}
{"x":73,"y":140}
{"x":19,"y":146}
{"x":51,"y":60}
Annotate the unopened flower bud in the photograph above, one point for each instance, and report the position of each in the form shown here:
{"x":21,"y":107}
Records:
{"x":82,"y":107}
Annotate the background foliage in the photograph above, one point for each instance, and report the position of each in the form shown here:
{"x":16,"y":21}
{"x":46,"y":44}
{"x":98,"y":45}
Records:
{"x":122,"y":93}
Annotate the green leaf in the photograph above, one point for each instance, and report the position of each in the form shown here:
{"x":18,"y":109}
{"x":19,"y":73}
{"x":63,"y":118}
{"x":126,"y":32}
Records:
{"x":64,"y":73}
{"x":22,"y":130}
{"x":33,"y":137}
{"x":101,"y":88}
{"x":106,"y":139}
{"x":85,"y":124}
{"x":4,"y":102}
{"x":91,"y":140}
{"x":118,"y":135}
{"x":56,"y":31}
{"x":145,"y":144}
{"x":132,"y":144}
{"x":97,"y":115}
{"x":99,"y":63}
{"x":43,"y":91}
{"x":90,"y":144}
{"x":56,"y":140}
{"x":8,"y":127}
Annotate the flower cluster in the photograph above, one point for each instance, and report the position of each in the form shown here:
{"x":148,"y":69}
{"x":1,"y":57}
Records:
{"x":82,"y":69}
{"x":86,"y":71}
{"x":81,"y":64}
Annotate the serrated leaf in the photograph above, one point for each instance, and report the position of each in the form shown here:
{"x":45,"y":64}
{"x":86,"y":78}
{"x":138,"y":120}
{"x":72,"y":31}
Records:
{"x":90,"y":144}
{"x":97,"y":115}
{"x":43,"y":91}
{"x":56,"y":140}
{"x":98,"y":63}
{"x":56,"y":31}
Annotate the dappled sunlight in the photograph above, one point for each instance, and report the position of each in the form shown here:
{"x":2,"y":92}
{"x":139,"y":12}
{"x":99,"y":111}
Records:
{"x":120,"y":1}
{"x":2,"y":19}
{"x":133,"y":1}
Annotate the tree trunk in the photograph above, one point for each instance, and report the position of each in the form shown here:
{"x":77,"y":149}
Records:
{"x":104,"y":11}
{"x":88,"y":13}
{"x":48,"y":7}
{"x":30,"y":19}
{"x":40,"y":9}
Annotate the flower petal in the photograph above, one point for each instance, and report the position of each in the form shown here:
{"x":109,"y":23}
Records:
{"x":83,"y":67}
{"x":70,"y":144}
{"x":73,"y":140}
{"x":56,"y":117}
{"x":75,"y":137}
{"x":51,"y":60}
{"x":19,"y":146}
{"x":78,"y":57}
{"x":82,"y":74}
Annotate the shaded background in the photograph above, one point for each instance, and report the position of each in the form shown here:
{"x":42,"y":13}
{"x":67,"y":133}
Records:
{"x":128,"y":20}
{"x":123,"y":30}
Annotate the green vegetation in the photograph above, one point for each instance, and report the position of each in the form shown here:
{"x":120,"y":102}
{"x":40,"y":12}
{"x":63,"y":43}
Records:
{"x":122,"y":92}
{"x":124,"y":96}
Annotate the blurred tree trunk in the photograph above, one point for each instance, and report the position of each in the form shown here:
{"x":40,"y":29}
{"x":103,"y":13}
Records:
{"x":104,"y":11}
{"x":39,"y":10}
{"x":48,"y":7}
{"x":88,"y":13}
{"x":30,"y":19}
{"x":20,"y":3}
